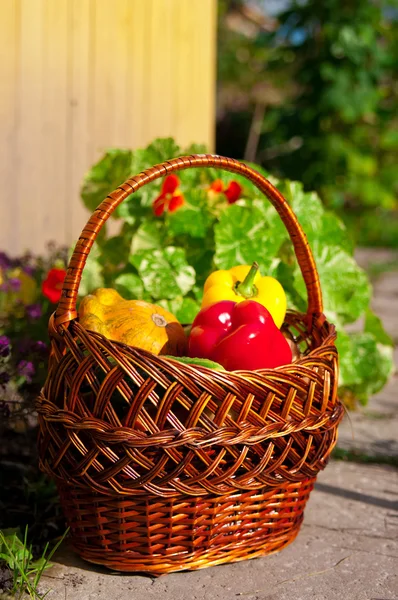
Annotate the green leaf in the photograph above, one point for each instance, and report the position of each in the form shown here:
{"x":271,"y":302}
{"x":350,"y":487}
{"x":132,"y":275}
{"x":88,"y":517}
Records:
{"x":197,"y":291}
{"x":345,"y":286}
{"x":196,"y":149}
{"x":165,"y":273}
{"x":160,"y":150}
{"x":306,"y":206}
{"x":276,"y":228}
{"x":201,"y":258}
{"x":131,"y":211}
{"x":149,"y":235}
{"x":129,"y":286}
{"x":193,"y":218}
{"x":349,"y":373}
{"x":115,"y":250}
{"x":10,"y":533}
{"x":92,"y":277}
{"x":365,"y":365}
{"x":374,"y":326}
{"x":284,"y":273}
{"x":243,"y":235}
{"x":333,"y":232}
{"x":105,"y":176}
{"x":184,"y":309}
{"x":8,"y":559}
{"x":39,"y":565}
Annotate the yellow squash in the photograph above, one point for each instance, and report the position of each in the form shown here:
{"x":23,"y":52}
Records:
{"x":133,"y":322}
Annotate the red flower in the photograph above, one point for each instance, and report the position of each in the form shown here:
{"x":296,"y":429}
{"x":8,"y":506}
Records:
{"x":52,"y":286}
{"x":217,"y":185}
{"x":170,"y":198}
{"x":233,"y":192}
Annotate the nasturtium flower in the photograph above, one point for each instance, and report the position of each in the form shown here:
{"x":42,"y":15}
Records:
{"x":170,"y":198}
{"x":232,"y":192}
{"x":52,"y":285}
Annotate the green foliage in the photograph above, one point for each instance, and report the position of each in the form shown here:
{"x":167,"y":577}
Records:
{"x":240,"y":235}
{"x":166,"y":259}
{"x":164,"y":273}
{"x":365,"y":364}
{"x":17,"y":556}
{"x":105,"y":177}
{"x":326,"y":76}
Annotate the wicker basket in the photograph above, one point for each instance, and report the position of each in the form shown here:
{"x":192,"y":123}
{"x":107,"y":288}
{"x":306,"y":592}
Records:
{"x":163,"y":466}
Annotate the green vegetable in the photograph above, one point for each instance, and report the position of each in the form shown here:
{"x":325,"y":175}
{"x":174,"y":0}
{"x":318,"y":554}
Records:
{"x":166,"y":260}
{"x":201,"y":362}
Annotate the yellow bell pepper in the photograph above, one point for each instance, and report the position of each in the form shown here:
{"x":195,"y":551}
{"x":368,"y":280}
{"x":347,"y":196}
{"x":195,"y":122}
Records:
{"x":245,"y":282}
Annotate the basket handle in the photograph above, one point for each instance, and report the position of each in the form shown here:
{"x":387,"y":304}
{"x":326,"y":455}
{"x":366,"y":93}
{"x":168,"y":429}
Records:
{"x":66,"y":310}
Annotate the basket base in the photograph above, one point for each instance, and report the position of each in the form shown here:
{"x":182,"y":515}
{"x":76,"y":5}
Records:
{"x":156,"y":536}
{"x":157,"y":566}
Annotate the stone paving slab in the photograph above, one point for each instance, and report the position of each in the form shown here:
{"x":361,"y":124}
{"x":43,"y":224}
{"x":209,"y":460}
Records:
{"x":347,"y":549}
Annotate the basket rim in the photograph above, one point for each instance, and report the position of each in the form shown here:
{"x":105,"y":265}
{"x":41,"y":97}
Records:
{"x":238,"y":375}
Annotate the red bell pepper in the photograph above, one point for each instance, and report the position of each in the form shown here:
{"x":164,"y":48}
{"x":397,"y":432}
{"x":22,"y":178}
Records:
{"x":238,"y":336}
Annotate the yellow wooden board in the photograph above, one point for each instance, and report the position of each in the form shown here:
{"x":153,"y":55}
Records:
{"x":80,"y":76}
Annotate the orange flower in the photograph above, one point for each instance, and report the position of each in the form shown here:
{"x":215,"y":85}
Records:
{"x":170,"y":197}
{"x":232,"y":192}
{"x":52,"y":286}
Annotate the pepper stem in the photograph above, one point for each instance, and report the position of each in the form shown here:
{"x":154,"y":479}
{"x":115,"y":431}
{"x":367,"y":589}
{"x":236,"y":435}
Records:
{"x":247,"y":288}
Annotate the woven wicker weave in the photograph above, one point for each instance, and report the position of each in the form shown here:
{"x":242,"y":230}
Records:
{"x":163,"y":466}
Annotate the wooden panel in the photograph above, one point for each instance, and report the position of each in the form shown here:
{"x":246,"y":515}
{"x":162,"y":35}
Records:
{"x":55,"y":147}
{"x":31,"y":152}
{"x":9,"y":44}
{"x":82,"y":50}
{"x":84,"y":75}
{"x":195,"y":52}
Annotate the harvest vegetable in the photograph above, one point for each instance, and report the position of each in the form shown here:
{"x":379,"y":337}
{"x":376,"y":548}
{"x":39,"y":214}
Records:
{"x":201,"y":362}
{"x":245,"y":282}
{"x":132,"y":322}
{"x":238,"y":336}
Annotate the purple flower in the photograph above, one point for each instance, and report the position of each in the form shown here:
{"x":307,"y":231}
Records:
{"x":5,"y":261}
{"x":4,"y":345}
{"x":29,"y":270}
{"x":26,"y":369}
{"x":33,"y":311}
{"x":15,"y":284}
{"x":40,"y":347}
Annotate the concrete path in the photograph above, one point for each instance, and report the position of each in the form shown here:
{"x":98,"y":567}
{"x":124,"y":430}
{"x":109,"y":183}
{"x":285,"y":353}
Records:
{"x":347,"y":548}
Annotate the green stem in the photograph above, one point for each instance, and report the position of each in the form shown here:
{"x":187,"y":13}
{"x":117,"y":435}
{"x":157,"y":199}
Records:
{"x":247,"y":288}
